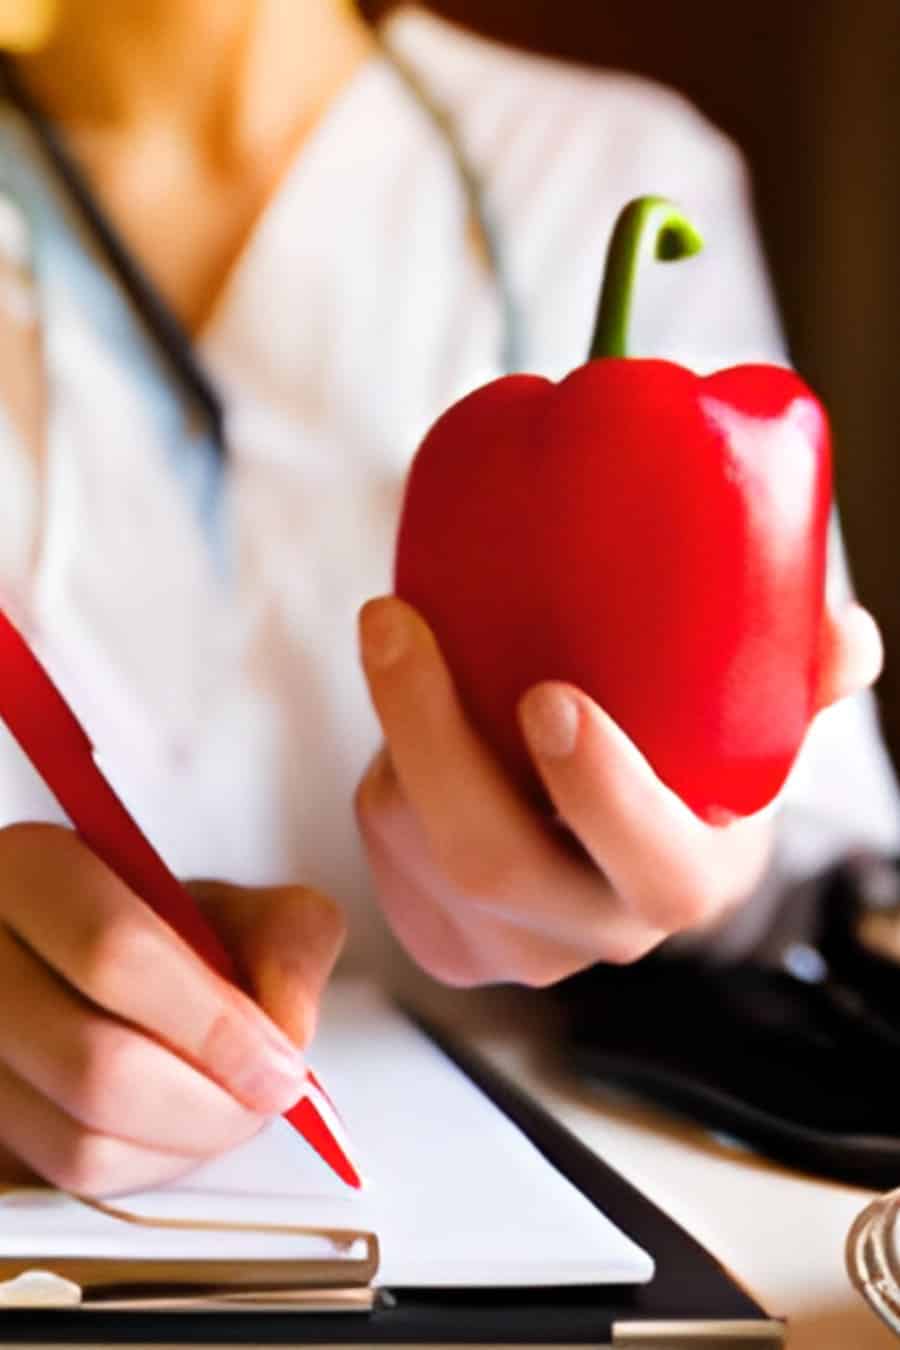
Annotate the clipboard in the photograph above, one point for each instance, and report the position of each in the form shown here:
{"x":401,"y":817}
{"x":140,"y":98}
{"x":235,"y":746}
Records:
{"x":691,"y":1301}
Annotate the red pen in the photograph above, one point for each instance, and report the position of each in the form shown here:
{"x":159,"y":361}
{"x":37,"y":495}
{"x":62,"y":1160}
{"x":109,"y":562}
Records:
{"x":54,"y":740}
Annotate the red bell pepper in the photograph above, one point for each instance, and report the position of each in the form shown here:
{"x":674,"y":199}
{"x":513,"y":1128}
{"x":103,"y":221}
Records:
{"x":655,"y":538}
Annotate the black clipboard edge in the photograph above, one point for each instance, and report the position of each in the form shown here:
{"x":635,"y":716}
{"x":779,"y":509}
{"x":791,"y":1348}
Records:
{"x":690,"y":1284}
{"x":691,"y":1299}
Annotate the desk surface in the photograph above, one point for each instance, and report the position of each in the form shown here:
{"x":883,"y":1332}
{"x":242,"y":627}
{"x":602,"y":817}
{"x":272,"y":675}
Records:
{"x":780,"y":1233}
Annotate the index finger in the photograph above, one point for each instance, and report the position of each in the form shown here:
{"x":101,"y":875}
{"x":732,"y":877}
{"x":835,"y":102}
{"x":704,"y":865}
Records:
{"x":468,"y":808}
{"x":494,"y":853}
{"x":75,"y":913}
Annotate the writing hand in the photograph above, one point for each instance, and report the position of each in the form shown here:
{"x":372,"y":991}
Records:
{"x":124,"y":1059}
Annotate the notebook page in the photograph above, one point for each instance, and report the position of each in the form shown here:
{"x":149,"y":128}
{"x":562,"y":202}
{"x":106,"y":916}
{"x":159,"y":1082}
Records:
{"x":46,"y":1223}
{"x":455,"y":1192}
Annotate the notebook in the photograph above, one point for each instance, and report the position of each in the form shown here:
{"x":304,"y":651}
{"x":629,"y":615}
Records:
{"x":455,"y":1195}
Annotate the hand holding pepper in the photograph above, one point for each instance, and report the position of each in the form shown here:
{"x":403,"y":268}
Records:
{"x":469,"y":875}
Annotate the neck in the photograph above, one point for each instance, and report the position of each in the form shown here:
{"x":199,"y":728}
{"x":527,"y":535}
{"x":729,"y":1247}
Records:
{"x":233,"y":68}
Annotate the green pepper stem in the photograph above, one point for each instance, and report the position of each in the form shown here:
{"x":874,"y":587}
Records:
{"x":645,"y":222}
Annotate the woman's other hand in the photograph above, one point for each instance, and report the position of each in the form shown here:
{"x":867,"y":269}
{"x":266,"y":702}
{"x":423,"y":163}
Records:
{"x":124,"y":1059}
{"x":478,"y":887}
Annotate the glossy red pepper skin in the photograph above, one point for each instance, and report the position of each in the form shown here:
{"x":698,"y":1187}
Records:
{"x":655,"y":538}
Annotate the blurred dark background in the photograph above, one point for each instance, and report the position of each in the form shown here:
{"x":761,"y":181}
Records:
{"x":811,"y":91}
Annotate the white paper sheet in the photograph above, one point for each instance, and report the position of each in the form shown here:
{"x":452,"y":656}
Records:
{"x":455,"y":1192}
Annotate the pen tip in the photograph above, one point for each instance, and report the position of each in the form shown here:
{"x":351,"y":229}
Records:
{"x":309,"y":1119}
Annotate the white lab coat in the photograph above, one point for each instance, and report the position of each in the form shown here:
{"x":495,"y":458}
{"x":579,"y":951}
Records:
{"x":232,"y":714}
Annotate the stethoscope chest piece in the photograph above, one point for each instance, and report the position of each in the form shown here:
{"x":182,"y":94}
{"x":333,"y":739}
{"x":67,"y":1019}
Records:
{"x":872,"y":1256}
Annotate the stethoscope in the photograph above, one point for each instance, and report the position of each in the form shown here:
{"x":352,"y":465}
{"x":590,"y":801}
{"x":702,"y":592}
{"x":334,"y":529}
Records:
{"x":161,"y":324}
{"x":872,"y":1257}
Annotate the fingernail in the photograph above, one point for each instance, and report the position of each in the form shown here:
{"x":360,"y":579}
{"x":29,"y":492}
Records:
{"x":385,"y":632}
{"x":550,"y":721}
{"x":271,"y":1083}
{"x":263,"y":1072}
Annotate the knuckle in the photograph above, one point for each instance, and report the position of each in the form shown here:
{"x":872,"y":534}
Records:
{"x":690,"y":904}
{"x":103,"y":1076}
{"x":300,"y":913}
{"x":536,"y":966}
{"x":682,"y":902}
{"x":481,"y":876}
{"x":542,"y":968}
{"x":375,"y":786}
{"x":544,"y":977}
{"x":454,"y":974}
{"x":115,"y":953}
{"x":624,"y":951}
{"x":365,"y":800}
{"x":24,"y":848}
{"x":378,"y":802}
{"x":325,"y":913}
{"x":452,"y":961}
{"x":84,"y":1165}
